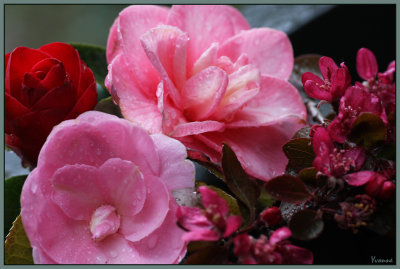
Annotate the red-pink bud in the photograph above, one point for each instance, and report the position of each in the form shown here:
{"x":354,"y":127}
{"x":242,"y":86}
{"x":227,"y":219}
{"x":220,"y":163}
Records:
{"x":374,"y":187}
{"x":388,"y":189}
{"x":271,"y":216}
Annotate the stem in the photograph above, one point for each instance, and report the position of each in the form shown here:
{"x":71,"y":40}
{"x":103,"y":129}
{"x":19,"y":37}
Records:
{"x":315,"y":113}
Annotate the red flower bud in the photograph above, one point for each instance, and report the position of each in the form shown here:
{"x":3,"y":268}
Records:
{"x":42,"y":88}
{"x":388,"y":190}
{"x":271,"y":216}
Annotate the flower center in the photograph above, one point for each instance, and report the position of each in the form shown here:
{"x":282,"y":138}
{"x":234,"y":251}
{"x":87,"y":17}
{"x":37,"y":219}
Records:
{"x":105,"y":221}
{"x":339,"y":163}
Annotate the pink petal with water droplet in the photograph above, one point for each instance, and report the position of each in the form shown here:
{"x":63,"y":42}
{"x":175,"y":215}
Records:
{"x":122,"y":185}
{"x":135,"y":106}
{"x":276,"y":101}
{"x":76,"y":191}
{"x":165,"y":47}
{"x":270,"y":50}
{"x":153,"y":213}
{"x":164,"y":244}
{"x":203,"y":93}
{"x":134,"y":21}
{"x":206,"y":25}
{"x":176,"y":171}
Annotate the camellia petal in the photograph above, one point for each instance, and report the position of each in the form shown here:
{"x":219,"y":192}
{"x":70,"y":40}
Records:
{"x":270,"y":50}
{"x":134,"y":105}
{"x":176,"y":171}
{"x":220,"y":23}
{"x":134,"y":21}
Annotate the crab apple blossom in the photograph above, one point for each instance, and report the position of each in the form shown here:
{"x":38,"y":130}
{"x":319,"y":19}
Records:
{"x":101,"y":193}
{"x":273,"y":250}
{"x":201,"y":75}
{"x":355,"y":101}
{"x":211,"y":223}
{"x":333,"y":161}
{"x":334,"y":84}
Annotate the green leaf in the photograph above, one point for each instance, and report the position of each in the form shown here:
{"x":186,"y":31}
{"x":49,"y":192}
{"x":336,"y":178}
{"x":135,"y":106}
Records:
{"x":102,"y":93}
{"x":231,"y":201}
{"x":12,"y":194}
{"x":265,"y":200}
{"x":107,"y":105}
{"x":368,"y":130}
{"x":300,"y":153}
{"x":17,"y":249}
{"x":95,"y":58}
{"x":302,"y":133}
{"x":246,"y":190}
{"x":287,"y":188}
{"x":306,"y":225}
{"x":308,"y":175}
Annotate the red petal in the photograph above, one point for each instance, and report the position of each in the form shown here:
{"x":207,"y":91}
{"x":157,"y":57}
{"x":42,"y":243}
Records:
{"x":367,"y":66}
{"x":68,"y":56}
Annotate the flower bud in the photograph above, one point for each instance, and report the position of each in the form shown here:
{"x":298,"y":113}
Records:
{"x":271,"y":216}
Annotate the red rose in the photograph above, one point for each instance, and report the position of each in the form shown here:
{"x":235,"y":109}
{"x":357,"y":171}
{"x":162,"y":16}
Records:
{"x":43,"y":87}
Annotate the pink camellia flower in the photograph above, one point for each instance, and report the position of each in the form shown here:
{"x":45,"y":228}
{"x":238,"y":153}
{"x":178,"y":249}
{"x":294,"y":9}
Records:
{"x":101,"y":193}
{"x":201,"y":75}
{"x":331,"y":161}
{"x":209,"y":224}
{"x":336,"y":81}
{"x":355,"y":101}
{"x":275,"y":250}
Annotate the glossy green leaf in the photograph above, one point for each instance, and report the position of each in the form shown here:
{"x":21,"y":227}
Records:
{"x":245,"y":190}
{"x":308,"y":175}
{"x":265,"y":200}
{"x":306,"y":225}
{"x":12,"y":194}
{"x":95,"y":58}
{"x":300,"y":153}
{"x":107,"y":105}
{"x":302,"y":133}
{"x":17,"y":249}
{"x":287,"y":188}
{"x":368,"y":130}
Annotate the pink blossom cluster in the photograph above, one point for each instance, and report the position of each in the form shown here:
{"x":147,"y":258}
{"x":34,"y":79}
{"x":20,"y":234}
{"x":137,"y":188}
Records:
{"x":214,"y":223}
{"x":273,"y":250}
{"x":336,"y":155}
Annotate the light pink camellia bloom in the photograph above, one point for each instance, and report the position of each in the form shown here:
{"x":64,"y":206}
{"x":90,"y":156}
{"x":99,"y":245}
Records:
{"x":101,"y":193}
{"x":201,"y":75}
